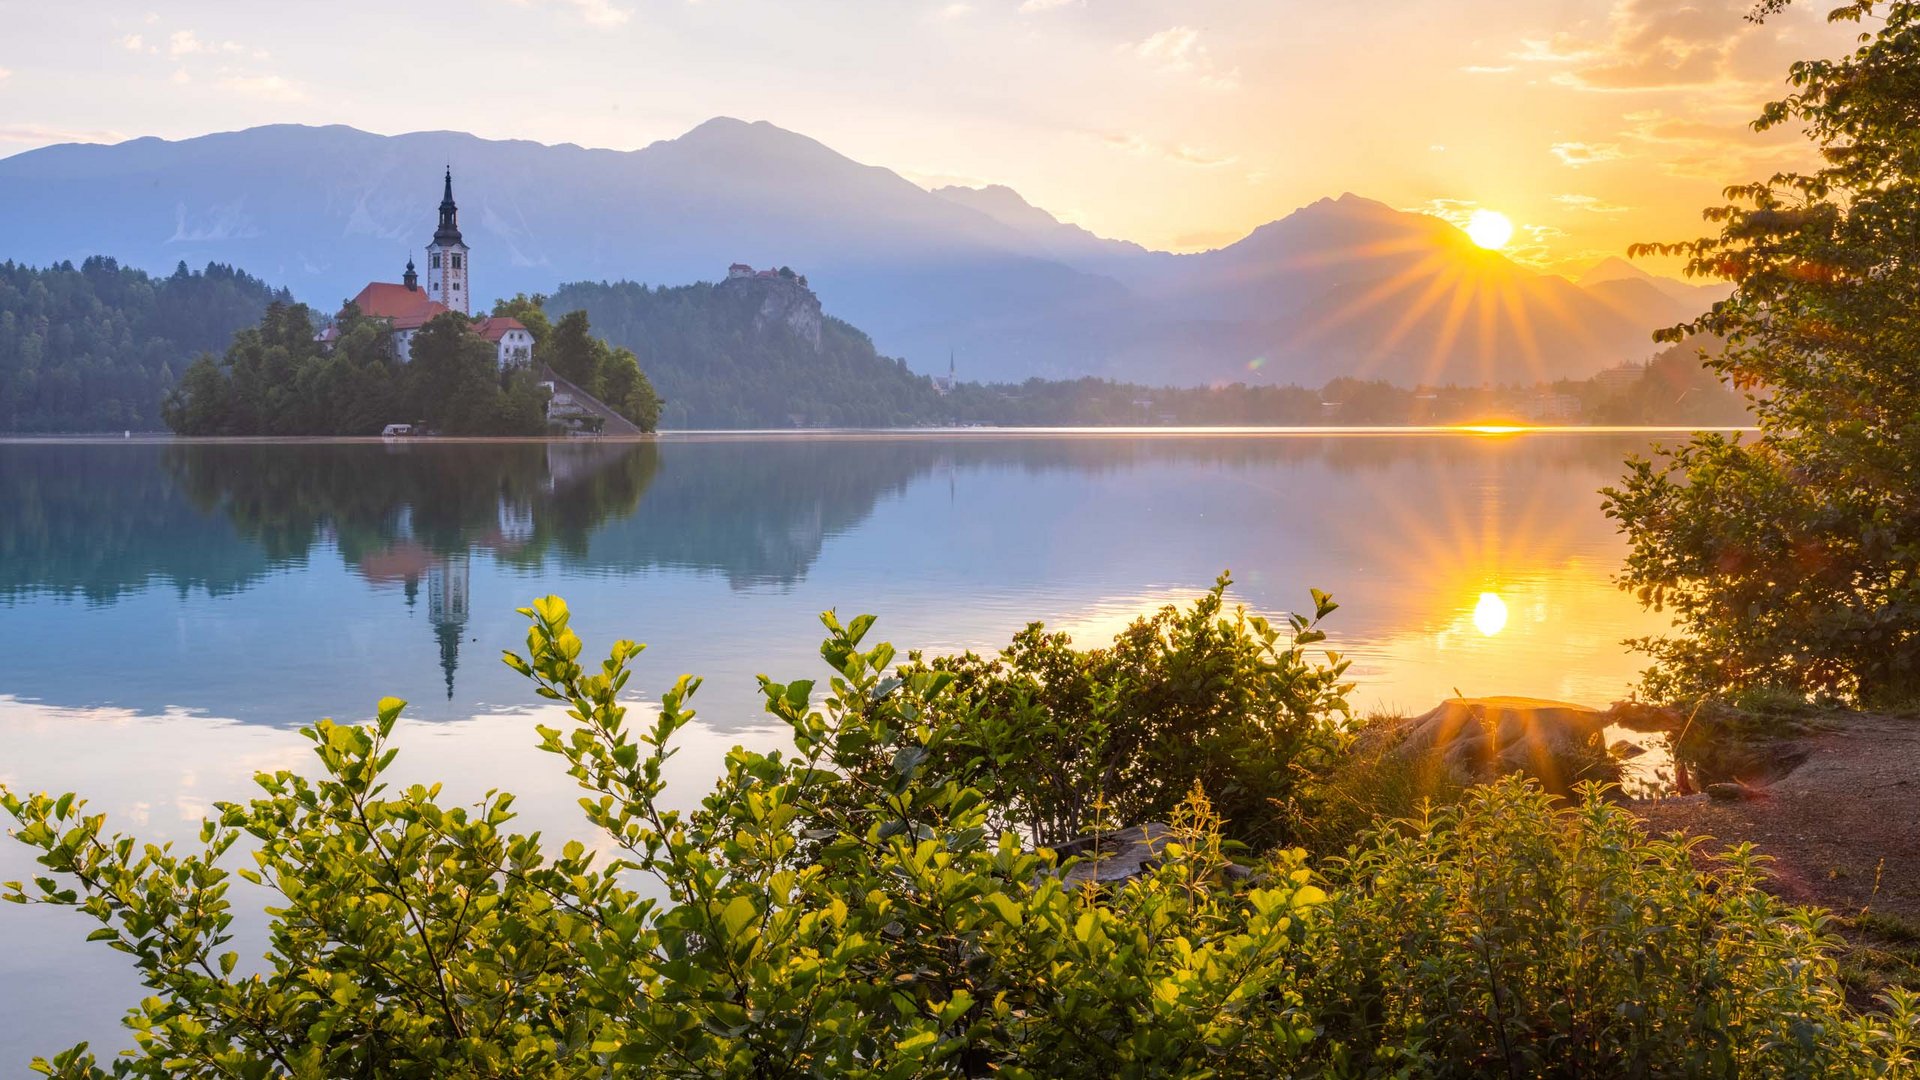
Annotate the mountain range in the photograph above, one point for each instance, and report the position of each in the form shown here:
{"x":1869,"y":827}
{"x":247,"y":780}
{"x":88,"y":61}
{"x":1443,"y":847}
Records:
{"x":1345,"y":286}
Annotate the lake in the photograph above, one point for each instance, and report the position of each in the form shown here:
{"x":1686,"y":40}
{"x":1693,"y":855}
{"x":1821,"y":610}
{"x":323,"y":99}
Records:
{"x":170,"y":612}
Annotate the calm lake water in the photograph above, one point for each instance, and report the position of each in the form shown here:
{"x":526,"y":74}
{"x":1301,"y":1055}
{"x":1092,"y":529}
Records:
{"x":170,"y":613}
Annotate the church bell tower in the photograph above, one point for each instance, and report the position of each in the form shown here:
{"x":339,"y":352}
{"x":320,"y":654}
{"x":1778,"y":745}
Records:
{"x":447,"y":257}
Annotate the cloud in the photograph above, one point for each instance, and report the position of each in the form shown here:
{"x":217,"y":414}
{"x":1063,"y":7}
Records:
{"x":1589,"y":204}
{"x":264,"y":87}
{"x":953,"y":11}
{"x":187,"y":43}
{"x":1028,"y":7}
{"x":1178,"y":50}
{"x":1722,"y":150}
{"x":135,"y":43}
{"x":1178,"y":154}
{"x":1487,"y":69}
{"x":1657,"y":45}
{"x":601,"y":13}
{"x":34,"y":134}
{"x":1576,"y":155}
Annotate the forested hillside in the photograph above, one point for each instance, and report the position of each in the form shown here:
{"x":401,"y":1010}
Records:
{"x":96,"y":347}
{"x":719,"y":360}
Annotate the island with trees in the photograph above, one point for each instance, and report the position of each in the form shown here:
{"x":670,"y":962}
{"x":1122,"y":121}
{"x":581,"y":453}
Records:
{"x":283,"y":378}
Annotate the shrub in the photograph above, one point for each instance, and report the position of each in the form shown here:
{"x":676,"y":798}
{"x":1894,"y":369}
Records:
{"x":846,"y":910}
{"x":1505,"y":936}
{"x":1058,"y":738}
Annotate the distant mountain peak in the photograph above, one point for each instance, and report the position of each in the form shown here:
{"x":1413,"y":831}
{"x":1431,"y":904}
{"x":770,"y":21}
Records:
{"x":1614,"y":268}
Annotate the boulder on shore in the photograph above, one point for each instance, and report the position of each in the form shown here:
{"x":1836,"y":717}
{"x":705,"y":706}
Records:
{"x":1475,"y":740}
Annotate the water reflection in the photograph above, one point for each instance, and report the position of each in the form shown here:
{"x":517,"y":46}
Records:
{"x":1490,"y":614}
{"x":169,"y":612}
{"x":278,"y":583}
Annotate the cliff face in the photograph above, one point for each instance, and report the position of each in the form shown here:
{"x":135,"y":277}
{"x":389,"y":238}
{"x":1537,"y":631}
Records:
{"x":779,"y":302}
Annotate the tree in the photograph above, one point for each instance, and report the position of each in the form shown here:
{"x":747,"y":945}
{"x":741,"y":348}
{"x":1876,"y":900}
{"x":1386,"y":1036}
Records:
{"x":573,"y":352}
{"x":1789,"y":560}
{"x":98,"y":346}
{"x":453,"y":378}
{"x":628,"y":391}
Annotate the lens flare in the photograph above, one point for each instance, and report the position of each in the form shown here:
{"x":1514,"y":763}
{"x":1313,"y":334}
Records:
{"x":1490,"y":614}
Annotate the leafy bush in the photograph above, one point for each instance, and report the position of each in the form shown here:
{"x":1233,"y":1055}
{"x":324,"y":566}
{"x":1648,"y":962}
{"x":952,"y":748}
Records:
{"x":845,"y":909}
{"x":1059,"y":738}
{"x":1505,"y":936}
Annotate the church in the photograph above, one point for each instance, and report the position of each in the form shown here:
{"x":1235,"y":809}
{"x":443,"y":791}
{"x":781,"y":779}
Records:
{"x":407,"y":307}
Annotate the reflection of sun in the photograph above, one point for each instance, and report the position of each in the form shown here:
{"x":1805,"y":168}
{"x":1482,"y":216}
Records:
{"x":1490,"y":614}
{"x":1491,"y":229}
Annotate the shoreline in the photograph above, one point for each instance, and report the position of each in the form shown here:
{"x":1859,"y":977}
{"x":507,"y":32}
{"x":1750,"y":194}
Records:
{"x":791,"y":434}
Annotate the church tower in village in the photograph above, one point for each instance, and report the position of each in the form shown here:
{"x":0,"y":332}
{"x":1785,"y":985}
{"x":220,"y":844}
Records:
{"x":447,"y":257}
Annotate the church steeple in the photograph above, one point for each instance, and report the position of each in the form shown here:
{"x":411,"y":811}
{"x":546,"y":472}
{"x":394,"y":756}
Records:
{"x":410,"y":279}
{"x":449,"y":231}
{"x":447,"y":256}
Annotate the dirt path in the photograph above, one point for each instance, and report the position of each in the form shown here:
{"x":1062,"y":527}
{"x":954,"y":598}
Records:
{"x":1843,"y":828}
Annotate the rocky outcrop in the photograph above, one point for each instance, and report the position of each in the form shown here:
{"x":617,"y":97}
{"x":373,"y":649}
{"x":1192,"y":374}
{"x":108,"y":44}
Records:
{"x":781,"y":302}
{"x":1474,"y":740}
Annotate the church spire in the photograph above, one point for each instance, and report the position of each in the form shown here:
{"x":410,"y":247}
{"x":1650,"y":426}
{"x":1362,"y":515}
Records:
{"x":449,"y":231}
{"x":447,"y":256}
{"x":410,"y":279}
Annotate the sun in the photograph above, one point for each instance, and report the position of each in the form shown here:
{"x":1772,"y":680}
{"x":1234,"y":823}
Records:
{"x":1491,"y":229}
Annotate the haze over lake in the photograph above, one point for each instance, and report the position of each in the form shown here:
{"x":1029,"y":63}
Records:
{"x":170,"y":612}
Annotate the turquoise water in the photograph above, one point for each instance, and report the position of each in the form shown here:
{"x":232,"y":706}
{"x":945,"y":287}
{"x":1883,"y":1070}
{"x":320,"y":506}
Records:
{"x":169,"y":613}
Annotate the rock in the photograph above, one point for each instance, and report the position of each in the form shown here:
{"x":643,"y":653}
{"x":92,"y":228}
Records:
{"x":1642,"y":717}
{"x":1625,"y":749}
{"x":1479,"y":739}
{"x":1110,"y":858}
{"x":1735,"y":791}
{"x":779,"y":302}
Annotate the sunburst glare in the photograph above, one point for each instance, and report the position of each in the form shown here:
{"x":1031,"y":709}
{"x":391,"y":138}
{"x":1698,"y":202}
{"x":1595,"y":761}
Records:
{"x":1491,"y":229}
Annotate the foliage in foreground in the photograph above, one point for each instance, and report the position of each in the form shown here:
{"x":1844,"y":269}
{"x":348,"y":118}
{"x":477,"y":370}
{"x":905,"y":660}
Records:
{"x":844,"y":909}
{"x":1789,"y":560}
{"x":1057,"y":738}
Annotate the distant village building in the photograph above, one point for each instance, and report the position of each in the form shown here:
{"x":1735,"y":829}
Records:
{"x":407,"y":307}
{"x":943,"y":384}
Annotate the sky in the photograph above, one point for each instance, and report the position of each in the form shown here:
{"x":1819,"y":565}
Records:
{"x":1179,"y":124}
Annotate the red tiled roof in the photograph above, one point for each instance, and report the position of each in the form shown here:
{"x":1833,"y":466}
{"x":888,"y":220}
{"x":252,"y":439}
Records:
{"x":495,"y":327}
{"x":406,"y":309}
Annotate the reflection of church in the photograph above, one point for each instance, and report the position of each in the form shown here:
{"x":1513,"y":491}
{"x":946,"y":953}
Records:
{"x":449,"y":596}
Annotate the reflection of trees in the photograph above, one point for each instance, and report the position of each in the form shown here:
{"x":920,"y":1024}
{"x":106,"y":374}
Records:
{"x":392,"y":510}
{"x":101,"y":521}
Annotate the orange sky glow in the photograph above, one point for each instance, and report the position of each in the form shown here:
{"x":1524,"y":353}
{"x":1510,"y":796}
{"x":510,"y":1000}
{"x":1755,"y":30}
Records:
{"x":1590,"y":124}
